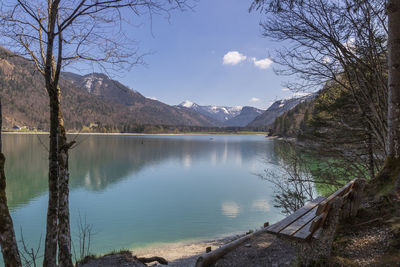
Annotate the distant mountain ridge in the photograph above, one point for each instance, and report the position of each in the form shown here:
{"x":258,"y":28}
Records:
{"x":148,"y":110}
{"x":219,"y":113}
{"x":247,"y":114}
{"x":227,"y":116}
{"x":101,"y":85}
{"x":92,"y":99}
{"x":95,"y":100}
{"x":277,"y":109}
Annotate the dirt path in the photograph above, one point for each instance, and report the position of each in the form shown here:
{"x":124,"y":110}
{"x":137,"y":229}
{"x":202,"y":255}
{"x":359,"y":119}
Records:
{"x":264,"y":250}
{"x":370,"y":239}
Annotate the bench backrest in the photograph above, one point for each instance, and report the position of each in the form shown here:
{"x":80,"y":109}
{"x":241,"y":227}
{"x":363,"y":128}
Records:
{"x":306,"y":221}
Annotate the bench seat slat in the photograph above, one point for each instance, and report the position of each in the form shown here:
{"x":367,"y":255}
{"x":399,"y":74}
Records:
{"x":304,"y":233}
{"x":279,"y":226}
{"x":299,"y":224}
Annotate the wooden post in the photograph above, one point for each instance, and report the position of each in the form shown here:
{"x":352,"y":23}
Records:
{"x":355,"y":204}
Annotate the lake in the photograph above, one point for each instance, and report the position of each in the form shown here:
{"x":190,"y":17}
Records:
{"x":139,"y":191}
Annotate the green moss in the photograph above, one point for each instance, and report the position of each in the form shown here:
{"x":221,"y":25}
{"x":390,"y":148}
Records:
{"x":383,"y":184}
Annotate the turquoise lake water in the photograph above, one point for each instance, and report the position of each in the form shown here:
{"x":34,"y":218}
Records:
{"x":138,"y":191}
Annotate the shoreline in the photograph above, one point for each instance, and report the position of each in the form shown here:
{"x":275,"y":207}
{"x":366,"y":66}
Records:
{"x":138,"y":134}
{"x":183,"y":253}
{"x":253,"y":252}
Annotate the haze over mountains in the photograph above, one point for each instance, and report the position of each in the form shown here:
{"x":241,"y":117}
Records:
{"x":227,"y":116}
{"x":95,"y":99}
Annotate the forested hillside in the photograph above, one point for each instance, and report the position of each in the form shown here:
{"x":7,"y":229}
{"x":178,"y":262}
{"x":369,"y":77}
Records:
{"x":279,"y":107}
{"x":293,"y":123}
{"x":108,"y":106}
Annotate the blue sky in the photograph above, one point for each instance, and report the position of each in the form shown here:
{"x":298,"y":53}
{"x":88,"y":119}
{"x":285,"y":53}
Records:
{"x":187,"y":59}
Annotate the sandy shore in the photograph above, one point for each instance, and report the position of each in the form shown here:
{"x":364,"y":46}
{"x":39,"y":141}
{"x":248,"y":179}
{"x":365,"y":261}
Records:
{"x":182,"y":253}
{"x":262,"y":250}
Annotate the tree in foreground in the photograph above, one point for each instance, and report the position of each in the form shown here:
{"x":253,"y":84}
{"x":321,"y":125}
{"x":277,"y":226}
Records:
{"x":354,"y":44}
{"x":8,"y":243}
{"x":391,"y":170}
{"x":54,"y":34}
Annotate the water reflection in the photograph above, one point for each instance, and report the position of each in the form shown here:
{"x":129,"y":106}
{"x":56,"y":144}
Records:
{"x":99,"y":161}
{"x":140,"y":190}
{"x":261,"y":205}
{"x":230,"y":209}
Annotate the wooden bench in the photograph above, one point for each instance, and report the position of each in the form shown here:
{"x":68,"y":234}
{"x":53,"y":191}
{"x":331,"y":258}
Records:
{"x":307,"y":222}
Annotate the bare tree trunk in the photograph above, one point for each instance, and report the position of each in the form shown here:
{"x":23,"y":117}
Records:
{"x":8,"y":242}
{"x":393,"y":11}
{"x":64,"y":232}
{"x":50,"y":254}
{"x":58,"y":220}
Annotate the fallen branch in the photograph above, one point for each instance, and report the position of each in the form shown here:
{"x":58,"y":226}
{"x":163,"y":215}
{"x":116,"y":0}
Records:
{"x":210,"y":258}
{"x":152,"y":259}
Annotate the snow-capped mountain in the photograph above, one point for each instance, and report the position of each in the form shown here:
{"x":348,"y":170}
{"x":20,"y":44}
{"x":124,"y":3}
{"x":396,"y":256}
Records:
{"x":278,"y":108}
{"x":189,"y":104}
{"x":220,"y":113}
{"x":228,"y":116}
{"x":136,"y":108}
{"x":247,"y":114}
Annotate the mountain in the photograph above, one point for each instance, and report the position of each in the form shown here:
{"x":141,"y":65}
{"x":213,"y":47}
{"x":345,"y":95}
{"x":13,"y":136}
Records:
{"x":246,"y":115}
{"x":151,"y":111}
{"x":89,"y":99}
{"x":294,"y":122}
{"x":227,"y":116}
{"x":102,"y":86}
{"x":219,"y":113}
{"x":277,"y":109}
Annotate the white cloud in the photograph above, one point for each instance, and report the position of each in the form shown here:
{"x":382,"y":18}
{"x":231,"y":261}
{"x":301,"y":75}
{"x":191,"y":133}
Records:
{"x":152,"y":98}
{"x":254,"y":99}
{"x":285,"y":89}
{"x":233,"y":58}
{"x":262,"y":63}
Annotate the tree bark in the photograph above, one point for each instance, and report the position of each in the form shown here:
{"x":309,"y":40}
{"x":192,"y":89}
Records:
{"x":58,"y":228}
{"x":393,"y":11}
{"x":58,"y":219}
{"x":64,"y":232}
{"x":8,"y":242}
{"x":50,"y":254}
